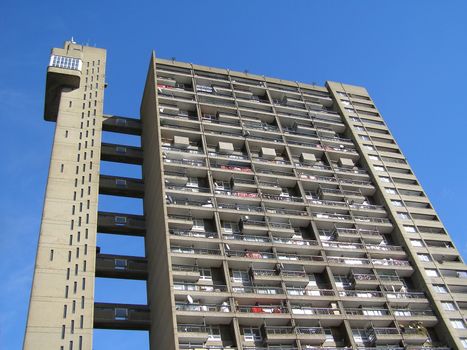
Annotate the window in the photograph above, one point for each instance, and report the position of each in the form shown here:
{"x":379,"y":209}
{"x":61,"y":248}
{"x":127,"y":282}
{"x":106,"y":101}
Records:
{"x":409,"y":229}
{"x":379,"y":168}
{"x":423,"y":257}
{"x":384,"y":179}
{"x":120,"y":149}
{"x":448,"y":306}
{"x":121,"y":313}
{"x":464,"y":342}
{"x":120,"y":182}
{"x":240,"y":276}
{"x":65,"y":62}
{"x":431,"y":273}
{"x":372,"y":157}
{"x":404,"y":216}
{"x":214,"y":332}
{"x":121,"y":264}
{"x":231,"y":227}
{"x":371,"y":148}
{"x":439,"y":288}
{"x":205,"y":274}
{"x":396,"y":203}
{"x":252,"y":334}
{"x":416,"y":243}
{"x":458,"y":324}
{"x":120,"y":220}
{"x":364,"y":138}
{"x":198,"y":225}
{"x":390,"y":190}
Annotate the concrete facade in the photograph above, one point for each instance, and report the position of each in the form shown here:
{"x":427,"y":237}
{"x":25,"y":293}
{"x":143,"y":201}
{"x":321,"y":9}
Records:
{"x":277,"y":215}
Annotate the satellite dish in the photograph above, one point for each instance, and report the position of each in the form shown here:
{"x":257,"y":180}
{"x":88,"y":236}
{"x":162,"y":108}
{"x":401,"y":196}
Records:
{"x":190,"y":299}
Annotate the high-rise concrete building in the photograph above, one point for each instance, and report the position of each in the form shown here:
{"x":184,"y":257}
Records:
{"x":277,"y":215}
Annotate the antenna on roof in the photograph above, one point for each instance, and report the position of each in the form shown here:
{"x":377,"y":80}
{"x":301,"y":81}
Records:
{"x":174,"y":59}
{"x":73,"y":40}
{"x":246,"y":71}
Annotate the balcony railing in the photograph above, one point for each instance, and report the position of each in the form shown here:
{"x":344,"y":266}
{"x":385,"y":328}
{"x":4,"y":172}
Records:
{"x":310,"y":310}
{"x":196,"y":189}
{"x":236,"y":193}
{"x":269,"y":161}
{"x":281,"y":198}
{"x":294,"y":241}
{"x":367,"y":312}
{"x":192,"y":148}
{"x":246,"y":238}
{"x":241,"y":207}
{"x":198,"y":251}
{"x":193,"y":233}
{"x":191,"y":162}
{"x":297,"y":291}
{"x":250,"y":254}
{"x":230,"y":156}
{"x":263,"y":290}
{"x":182,"y":286}
{"x":240,"y":168}
{"x":178,"y":201}
{"x":224,"y":307}
{"x":263,"y":309}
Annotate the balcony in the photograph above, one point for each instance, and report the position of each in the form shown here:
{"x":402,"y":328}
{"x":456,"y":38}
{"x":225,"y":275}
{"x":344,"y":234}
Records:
{"x":180,"y":222}
{"x":185,"y":202}
{"x":368,"y":313}
{"x":282,"y":198}
{"x":241,"y":184}
{"x":186,"y":272}
{"x":121,"y":316}
{"x":183,"y":162}
{"x":354,"y":235}
{"x":264,"y":310}
{"x":195,"y":307}
{"x":253,"y":226}
{"x":121,"y":154}
{"x":252,"y":255}
{"x":248,"y":239}
{"x":413,"y":336}
{"x":263,"y":291}
{"x":118,"y":223}
{"x":121,"y":186}
{"x":277,"y":335}
{"x":192,"y":333}
{"x":306,"y":311}
{"x":269,"y":188}
{"x":193,"y":287}
{"x":194,"y":251}
{"x":311,"y":335}
{"x":259,"y":125}
{"x":380,"y":336}
{"x":319,"y":294}
{"x":231,"y":167}
{"x":334,"y":193}
{"x":363,"y":281}
{"x":189,"y":189}
{"x":121,"y":266}
{"x":193,"y":233}
{"x":280,"y":229}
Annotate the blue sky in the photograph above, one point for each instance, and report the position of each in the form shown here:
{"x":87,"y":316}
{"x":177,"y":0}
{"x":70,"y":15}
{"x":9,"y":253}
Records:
{"x":410,"y":55}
